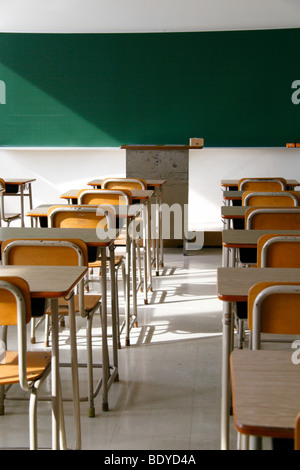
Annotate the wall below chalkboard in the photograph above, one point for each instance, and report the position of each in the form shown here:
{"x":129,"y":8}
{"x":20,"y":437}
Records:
{"x":234,"y":88}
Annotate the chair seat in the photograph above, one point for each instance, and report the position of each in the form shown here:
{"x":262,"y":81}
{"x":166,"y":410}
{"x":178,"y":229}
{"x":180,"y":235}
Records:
{"x":90,"y":303}
{"x":37,"y":362}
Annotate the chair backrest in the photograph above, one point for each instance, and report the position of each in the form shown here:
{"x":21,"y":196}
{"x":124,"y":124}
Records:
{"x":44,"y":252}
{"x":79,"y":216}
{"x":273,"y":308}
{"x":278,"y":251}
{"x":104,"y":196}
{"x":124,"y":183}
{"x":262,"y":184}
{"x":272,"y":218}
{"x":271,"y":198}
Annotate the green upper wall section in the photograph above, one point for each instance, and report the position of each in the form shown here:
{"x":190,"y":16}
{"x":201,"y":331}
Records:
{"x":233,"y":88}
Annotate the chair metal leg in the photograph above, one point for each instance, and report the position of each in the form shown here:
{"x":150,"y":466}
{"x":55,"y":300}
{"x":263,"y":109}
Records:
{"x":33,"y":434}
{"x":91,"y":409}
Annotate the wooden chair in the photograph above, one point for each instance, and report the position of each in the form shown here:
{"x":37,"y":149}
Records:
{"x":273,"y":251}
{"x":60,"y":253}
{"x":6,"y":216}
{"x":269,"y":218}
{"x":124,"y":183}
{"x":28,"y":368}
{"x":271,"y":198}
{"x":262,"y":184}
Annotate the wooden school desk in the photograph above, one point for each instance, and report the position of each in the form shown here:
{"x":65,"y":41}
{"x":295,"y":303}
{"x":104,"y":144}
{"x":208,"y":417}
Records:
{"x":234,"y":239}
{"x":17,"y":187}
{"x":157,"y":187}
{"x":91,"y":238}
{"x":53,"y":282}
{"x":233,"y":285}
{"x":265,"y":392}
{"x":138,"y":196}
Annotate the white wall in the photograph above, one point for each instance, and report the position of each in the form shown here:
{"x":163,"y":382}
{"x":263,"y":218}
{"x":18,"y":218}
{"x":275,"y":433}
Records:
{"x":209,"y":166}
{"x":57,"y":170}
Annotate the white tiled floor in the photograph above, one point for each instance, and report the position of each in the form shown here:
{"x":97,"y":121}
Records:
{"x":168,"y":396}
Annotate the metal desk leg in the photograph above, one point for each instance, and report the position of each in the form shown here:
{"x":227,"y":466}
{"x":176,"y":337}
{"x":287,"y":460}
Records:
{"x":161,"y":243}
{"x":114,"y":312}
{"x":148,"y":245}
{"x":134,"y":283}
{"x":75,"y":379}
{"x":22,"y":206}
{"x":127,"y":276}
{"x":225,"y":257}
{"x":105,"y":361}
{"x":145,"y":246}
{"x":30,"y":200}
{"x":55,"y":382}
{"x":157,"y":237}
{"x":232,"y":257}
{"x":226,"y":392}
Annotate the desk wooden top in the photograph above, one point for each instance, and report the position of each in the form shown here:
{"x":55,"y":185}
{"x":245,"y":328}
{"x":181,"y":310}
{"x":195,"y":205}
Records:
{"x":98,"y":182}
{"x":233,"y":212}
{"x":249,"y":238}
{"x":89,"y":236}
{"x":266,"y":392}
{"x":47,"y":281}
{"x":137,"y":195}
{"x":233,"y":284}
{"x":234,"y":182}
{"x":232,"y":195}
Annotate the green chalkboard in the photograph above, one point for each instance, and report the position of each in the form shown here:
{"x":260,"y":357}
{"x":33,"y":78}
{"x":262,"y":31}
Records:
{"x":233,"y":88}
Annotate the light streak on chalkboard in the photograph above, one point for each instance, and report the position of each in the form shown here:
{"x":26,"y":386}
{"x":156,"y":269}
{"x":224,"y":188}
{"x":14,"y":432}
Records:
{"x":2,"y":92}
